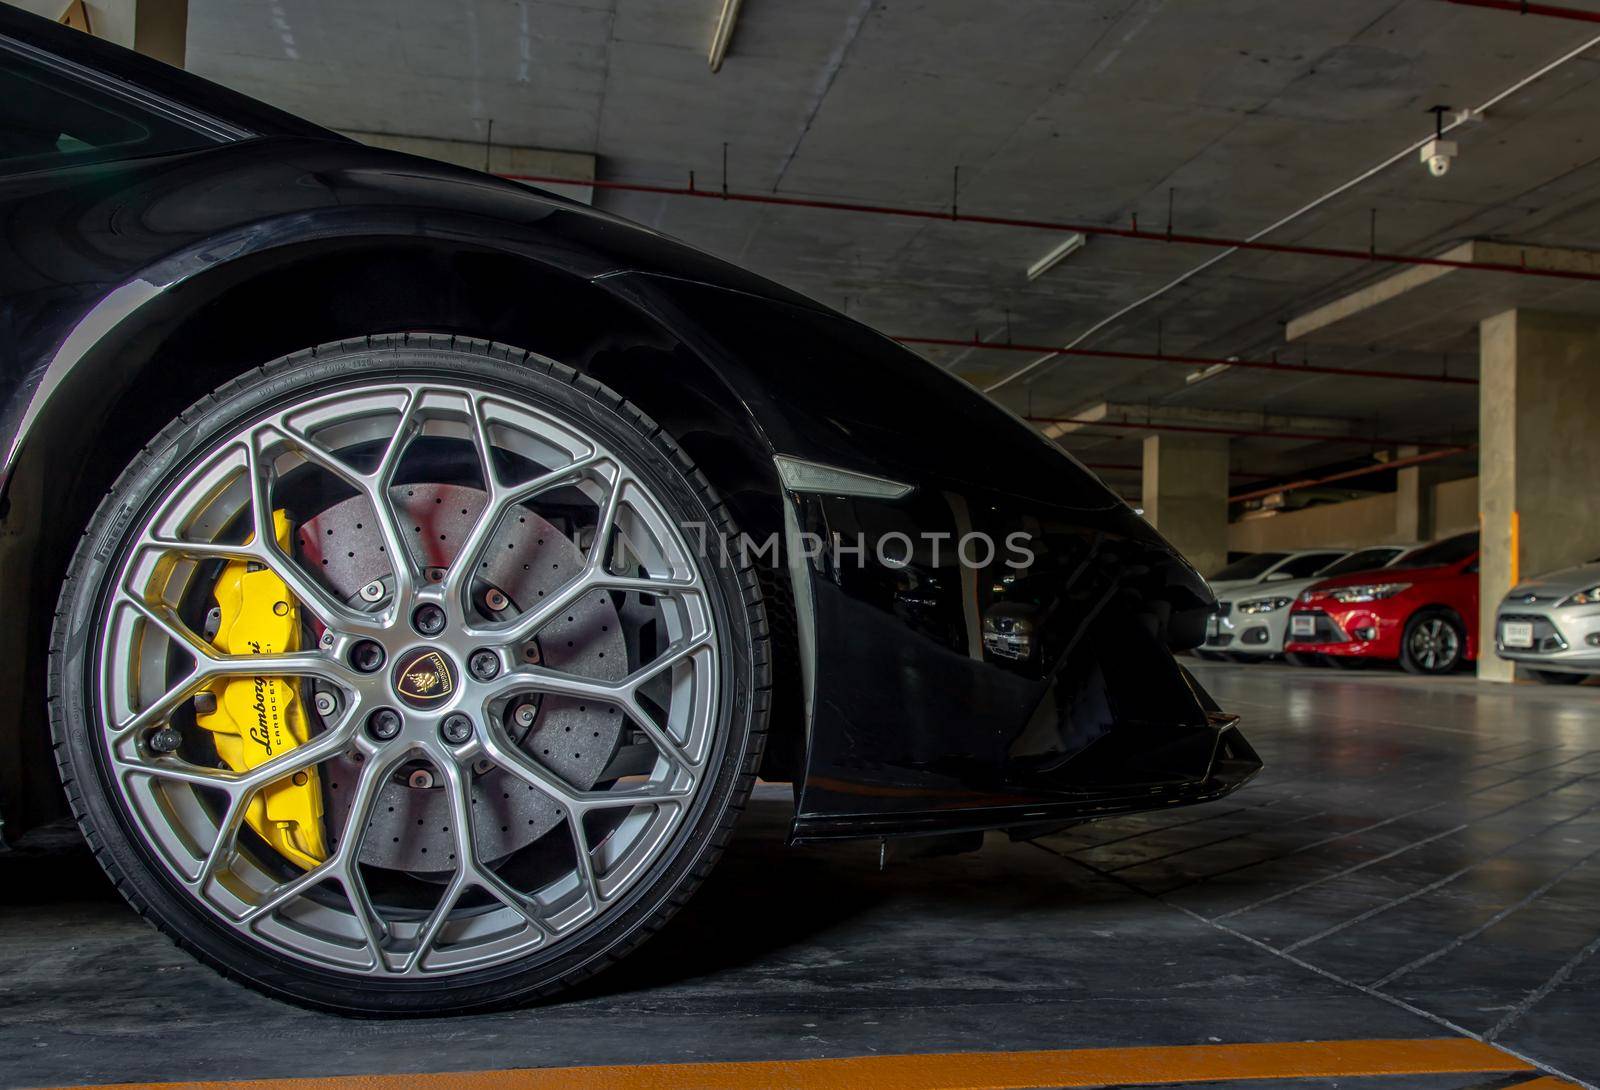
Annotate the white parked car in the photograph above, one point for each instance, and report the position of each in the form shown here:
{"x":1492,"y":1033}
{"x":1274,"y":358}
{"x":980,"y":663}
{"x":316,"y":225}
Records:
{"x":1272,"y":567}
{"x":1551,"y":625}
{"x":1252,"y":619}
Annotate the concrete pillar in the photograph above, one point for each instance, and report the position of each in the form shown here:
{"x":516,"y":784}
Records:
{"x":1413,"y":499}
{"x":1186,"y":495}
{"x":1538,"y":449}
{"x":156,"y":28}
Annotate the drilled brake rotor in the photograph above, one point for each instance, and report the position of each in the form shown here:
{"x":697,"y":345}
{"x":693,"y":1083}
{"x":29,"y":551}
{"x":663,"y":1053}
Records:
{"x":527,"y":559}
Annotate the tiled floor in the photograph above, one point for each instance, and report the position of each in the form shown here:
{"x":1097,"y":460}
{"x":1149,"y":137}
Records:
{"x":1414,"y":862}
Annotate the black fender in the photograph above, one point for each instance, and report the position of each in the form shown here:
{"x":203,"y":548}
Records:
{"x":135,"y":288}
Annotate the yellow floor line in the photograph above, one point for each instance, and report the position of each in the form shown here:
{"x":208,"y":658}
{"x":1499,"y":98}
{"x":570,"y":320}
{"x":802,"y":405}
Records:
{"x":959,"y":1070}
{"x":1546,"y":1082}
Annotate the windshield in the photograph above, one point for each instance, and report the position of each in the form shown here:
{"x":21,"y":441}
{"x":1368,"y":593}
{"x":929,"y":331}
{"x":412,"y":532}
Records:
{"x":1251,"y":567}
{"x":1310,"y":564}
{"x":1449,"y":551}
{"x":1362,"y":560}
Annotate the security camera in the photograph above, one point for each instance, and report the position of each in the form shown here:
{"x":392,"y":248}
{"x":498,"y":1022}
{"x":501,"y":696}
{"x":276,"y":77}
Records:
{"x":1437,"y":154}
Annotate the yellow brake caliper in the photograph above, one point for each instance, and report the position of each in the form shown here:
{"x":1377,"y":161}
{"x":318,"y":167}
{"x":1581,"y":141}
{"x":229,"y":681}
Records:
{"x":259,"y":718}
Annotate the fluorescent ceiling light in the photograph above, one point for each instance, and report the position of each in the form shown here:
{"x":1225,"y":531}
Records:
{"x":1208,"y":372}
{"x":1074,"y":243}
{"x":723,"y":34}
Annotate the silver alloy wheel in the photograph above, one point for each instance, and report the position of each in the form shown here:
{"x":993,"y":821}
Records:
{"x":474,"y":911}
{"x":1434,"y":644}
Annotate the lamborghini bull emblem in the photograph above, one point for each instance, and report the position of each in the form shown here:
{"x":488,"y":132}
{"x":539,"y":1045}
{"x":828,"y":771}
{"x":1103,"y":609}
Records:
{"x":425,"y":677}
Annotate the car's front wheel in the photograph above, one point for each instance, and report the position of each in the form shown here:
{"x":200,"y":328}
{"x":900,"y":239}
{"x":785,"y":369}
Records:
{"x":405,"y":675}
{"x":1433,"y":642}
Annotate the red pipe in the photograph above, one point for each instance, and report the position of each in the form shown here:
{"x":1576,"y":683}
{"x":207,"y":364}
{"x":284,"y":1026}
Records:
{"x":1056,"y":225}
{"x":1247,"y":433}
{"x":1520,"y":8}
{"x":1186,"y":361}
{"x":1399,"y":463}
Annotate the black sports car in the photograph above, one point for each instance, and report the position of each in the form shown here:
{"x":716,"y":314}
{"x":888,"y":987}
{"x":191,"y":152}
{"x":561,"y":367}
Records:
{"x":409,"y":572}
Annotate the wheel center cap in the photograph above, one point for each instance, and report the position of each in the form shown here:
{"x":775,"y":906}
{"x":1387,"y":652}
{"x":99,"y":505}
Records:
{"x":424,"y":677}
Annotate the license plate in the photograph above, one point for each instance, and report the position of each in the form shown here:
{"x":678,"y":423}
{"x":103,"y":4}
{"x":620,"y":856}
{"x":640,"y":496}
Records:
{"x":1303,"y":625}
{"x":1516,"y":634}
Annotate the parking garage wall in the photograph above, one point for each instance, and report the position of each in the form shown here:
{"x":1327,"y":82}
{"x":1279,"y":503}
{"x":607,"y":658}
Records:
{"x":1354,"y":523}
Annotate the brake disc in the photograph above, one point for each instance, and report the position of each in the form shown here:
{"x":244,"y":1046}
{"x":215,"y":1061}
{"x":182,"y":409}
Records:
{"x":527,"y":559}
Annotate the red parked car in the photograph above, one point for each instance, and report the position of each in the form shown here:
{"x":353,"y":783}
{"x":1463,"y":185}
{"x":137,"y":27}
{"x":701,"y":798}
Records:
{"x":1422,"y":610}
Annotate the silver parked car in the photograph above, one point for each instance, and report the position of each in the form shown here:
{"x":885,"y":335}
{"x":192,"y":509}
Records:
{"x":1551,"y":625}
{"x":1252,"y":621}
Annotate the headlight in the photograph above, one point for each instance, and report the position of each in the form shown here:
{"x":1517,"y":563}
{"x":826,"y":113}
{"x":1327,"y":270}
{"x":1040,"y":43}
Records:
{"x":1264,"y":605}
{"x":1368,"y":592}
{"x":1583,"y":598}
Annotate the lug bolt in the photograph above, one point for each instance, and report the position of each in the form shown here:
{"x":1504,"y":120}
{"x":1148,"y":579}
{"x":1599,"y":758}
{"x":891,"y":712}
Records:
{"x":372,"y":591}
{"x":435,"y":575}
{"x":428,"y":619}
{"x":383,"y":724}
{"x":166,"y":740}
{"x":523,"y":715}
{"x":484,"y":664}
{"x":455,"y":729}
{"x":326,"y":704}
{"x":327,"y":639}
{"x":496,"y":600}
{"x":366,"y":656}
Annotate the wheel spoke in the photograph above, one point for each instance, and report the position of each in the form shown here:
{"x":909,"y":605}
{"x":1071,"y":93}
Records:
{"x":373,"y":486}
{"x":513,"y":760}
{"x":525,"y":627}
{"x":623,"y":694}
{"x":470,"y":872}
{"x":210,"y":665}
{"x":222,"y":848}
{"x":243,"y":784}
{"x":505,"y":753}
{"x":342,"y":862}
{"x":307,"y":591}
{"x":586,"y":874}
{"x":589,"y":801}
{"x":458,"y":580}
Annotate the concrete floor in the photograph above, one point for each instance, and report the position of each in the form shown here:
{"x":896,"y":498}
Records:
{"x":1414,"y":862}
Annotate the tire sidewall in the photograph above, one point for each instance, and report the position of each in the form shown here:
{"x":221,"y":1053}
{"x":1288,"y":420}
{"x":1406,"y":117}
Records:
{"x":650,"y":454}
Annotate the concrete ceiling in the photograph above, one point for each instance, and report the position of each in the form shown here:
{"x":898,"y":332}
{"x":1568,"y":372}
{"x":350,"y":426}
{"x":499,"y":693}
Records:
{"x":1083,"y":110}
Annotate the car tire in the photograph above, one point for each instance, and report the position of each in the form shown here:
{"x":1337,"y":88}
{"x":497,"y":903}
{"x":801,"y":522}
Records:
{"x":1434,"y":642}
{"x":1344,"y":662}
{"x":703,"y":796}
{"x":1299,"y":658}
{"x":1559,"y":677}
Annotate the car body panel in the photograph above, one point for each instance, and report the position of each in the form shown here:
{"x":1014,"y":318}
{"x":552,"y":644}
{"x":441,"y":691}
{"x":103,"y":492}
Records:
{"x":1564,"y":637}
{"x":910,"y":726}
